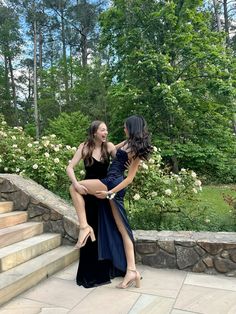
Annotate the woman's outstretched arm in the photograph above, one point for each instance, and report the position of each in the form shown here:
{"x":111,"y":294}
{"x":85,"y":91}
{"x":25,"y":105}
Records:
{"x":70,"y":170}
{"x":119,"y":145}
{"x":133,"y":168}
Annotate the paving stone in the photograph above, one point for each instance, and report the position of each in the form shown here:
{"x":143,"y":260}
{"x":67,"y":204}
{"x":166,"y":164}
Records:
{"x":149,"y":304}
{"x":206,"y":300}
{"x":106,"y":300}
{"x":211,"y":281}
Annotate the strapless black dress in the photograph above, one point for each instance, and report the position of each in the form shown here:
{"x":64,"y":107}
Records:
{"x":94,"y":271}
{"x":110,"y":244}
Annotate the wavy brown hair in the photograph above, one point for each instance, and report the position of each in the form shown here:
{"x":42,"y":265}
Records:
{"x":138,"y":141}
{"x":89,"y":145}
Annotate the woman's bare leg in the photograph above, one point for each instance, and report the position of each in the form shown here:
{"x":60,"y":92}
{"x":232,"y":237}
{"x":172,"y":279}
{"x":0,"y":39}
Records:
{"x":79,"y":204}
{"x":131,"y":273}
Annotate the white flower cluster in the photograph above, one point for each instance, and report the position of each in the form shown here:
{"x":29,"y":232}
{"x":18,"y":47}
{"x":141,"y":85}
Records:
{"x":168,"y":192}
{"x":18,"y":128}
{"x":136,"y":197}
{"x":3,"y":134}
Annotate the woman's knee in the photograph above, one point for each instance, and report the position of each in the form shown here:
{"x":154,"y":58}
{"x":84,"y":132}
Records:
{"x":72,"y":189}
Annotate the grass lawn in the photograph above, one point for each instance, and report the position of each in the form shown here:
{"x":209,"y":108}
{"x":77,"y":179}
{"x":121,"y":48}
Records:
{"x":213,"y":195}
{"x":209,"y":213}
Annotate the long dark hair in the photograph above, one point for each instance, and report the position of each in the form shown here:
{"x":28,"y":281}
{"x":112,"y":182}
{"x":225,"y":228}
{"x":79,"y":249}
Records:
{"x":138,"y":141}
{"x":89,"y":145}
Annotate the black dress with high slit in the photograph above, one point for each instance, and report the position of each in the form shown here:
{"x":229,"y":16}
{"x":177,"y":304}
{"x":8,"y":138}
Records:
{"x":94,"y":269}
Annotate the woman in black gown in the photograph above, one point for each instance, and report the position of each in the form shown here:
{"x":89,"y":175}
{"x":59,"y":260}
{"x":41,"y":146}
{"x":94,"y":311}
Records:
{"x":93,"y":272}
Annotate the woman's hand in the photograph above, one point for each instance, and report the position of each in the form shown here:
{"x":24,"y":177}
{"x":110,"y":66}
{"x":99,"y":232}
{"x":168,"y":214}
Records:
{"x":101,"y":194}
{"x":127,"y":164}
{"x":80,"y":188}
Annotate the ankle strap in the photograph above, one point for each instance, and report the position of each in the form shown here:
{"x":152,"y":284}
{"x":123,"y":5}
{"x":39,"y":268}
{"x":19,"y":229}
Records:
{"x":84,"y":227}
{"x":133,"y":270}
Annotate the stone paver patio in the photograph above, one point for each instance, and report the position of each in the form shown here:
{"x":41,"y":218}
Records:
{"x":162,"y":292}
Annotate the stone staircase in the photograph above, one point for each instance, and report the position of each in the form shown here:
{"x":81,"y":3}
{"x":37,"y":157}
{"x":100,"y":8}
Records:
{"x":27,"y":255}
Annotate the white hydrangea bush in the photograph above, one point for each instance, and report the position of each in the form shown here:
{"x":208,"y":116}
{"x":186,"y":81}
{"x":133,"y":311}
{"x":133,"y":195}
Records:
{"x":44,"y":161}
{"x":157,"y":191}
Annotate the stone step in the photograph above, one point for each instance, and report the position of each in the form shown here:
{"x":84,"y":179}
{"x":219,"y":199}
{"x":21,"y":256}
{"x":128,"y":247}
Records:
{"x":22,"y":277}
{"x":20,"y":252}
{"x":12,"y":219}
{"x":19,"y":232}
{"x":6,"y":207}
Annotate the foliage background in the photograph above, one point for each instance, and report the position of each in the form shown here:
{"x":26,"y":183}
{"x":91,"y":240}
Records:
{"x":172,"y":61}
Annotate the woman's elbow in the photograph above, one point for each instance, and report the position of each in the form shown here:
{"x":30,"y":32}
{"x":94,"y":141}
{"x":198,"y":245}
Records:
{"x":129,"y":180}
{"x":68,"y":170}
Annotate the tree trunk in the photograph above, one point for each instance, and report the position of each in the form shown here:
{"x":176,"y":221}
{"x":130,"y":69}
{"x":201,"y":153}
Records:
{"x":7,"y":110}
{"x":40,"y":49}
{"x":65,"y":76}
{"x":84,"y":48}
{"x":36,"y":115}
{"x":71,"y":68}
{"x":175,"y":164}
{"x":216,"y":7}
{"x":13,"y":87}
{"x":234,"y":123}
{"x":7,"y":79}
{"x":226,"y":16}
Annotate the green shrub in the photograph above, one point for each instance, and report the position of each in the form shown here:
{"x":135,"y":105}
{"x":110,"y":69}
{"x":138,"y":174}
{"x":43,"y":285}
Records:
{"x":71,"y":128}
{"x":159,"y":199}
{"x":44,"y":161}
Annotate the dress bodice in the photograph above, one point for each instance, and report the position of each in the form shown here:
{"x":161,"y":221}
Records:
{"x":98,"y":170}
{"x":117,"y":166}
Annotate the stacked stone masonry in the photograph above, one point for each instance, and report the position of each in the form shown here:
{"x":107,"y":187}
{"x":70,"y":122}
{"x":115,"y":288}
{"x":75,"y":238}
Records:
{"x":209,"y":252}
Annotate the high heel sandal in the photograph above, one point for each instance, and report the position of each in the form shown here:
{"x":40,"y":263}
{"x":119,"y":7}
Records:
{"x":135,"y":280}
{"x":90,"y":234}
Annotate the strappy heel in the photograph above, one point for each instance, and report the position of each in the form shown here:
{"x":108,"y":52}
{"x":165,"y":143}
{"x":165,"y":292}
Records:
{"x":130,"y":283}
{"x":90,"y":233}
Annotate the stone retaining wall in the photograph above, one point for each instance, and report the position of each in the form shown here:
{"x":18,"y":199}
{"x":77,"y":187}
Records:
{"x":209,"y":252}
{"x":42,"y":205}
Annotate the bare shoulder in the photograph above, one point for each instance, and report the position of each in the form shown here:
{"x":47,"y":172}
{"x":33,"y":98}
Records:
{"x":110,"y":147}
{"x":80,"y":147}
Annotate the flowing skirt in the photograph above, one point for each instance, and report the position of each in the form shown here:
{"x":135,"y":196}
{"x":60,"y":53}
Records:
{"x":110,"y":243}
{"x":93,"y":270}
